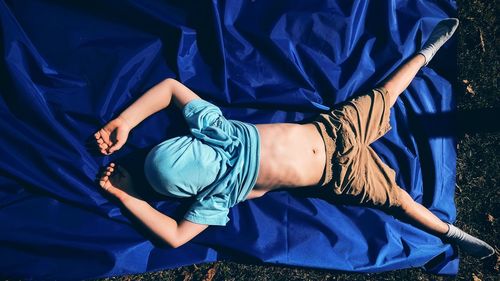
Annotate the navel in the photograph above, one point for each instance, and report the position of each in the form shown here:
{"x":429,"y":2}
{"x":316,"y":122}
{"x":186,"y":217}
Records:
{"x":314,"y":150}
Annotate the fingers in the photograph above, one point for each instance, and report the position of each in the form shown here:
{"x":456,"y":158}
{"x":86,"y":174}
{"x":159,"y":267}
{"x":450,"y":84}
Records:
{"x":103,"y":136}
{"x":114,"y":148}
{"x":103,"y":146}
{"x":121,"y":137}
{"x":109,"y":170}
{"x":104,"y":183}
{"x":111,"y":137}
{"x":103,"y":141}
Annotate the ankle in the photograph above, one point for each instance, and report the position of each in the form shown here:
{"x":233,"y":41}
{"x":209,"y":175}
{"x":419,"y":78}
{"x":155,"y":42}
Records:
{"x":421,"y":59}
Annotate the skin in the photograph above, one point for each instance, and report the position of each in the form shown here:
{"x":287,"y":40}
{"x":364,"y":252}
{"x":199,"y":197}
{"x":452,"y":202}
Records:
{"x":292,"y":156}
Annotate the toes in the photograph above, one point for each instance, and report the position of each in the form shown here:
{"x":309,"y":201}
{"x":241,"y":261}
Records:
{"x":105,"y":137}
{"x":112,"y":164}
{"x":97,"y":135}
{"x":99,"y":141}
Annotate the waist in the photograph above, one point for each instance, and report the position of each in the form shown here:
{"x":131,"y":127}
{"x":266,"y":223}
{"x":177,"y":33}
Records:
{"x":292,"y":155}
{"x":247,"y":163}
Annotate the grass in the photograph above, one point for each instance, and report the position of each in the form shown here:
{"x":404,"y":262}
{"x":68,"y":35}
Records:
{"x":478,"y":168}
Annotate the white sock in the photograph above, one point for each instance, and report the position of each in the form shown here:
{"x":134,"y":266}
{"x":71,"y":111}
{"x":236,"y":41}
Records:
{"x":468,"y":243}
{"x":440,"y":34}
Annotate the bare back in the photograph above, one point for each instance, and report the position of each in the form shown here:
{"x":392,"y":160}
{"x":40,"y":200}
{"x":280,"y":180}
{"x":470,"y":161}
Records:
{"x":291,"y":155}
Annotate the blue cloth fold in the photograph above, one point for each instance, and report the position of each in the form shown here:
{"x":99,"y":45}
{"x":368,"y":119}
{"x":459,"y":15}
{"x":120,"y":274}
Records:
{"x":68,"y":67}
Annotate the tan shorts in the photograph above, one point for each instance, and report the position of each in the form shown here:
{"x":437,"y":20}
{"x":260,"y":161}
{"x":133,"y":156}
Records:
{"x":353,"y":170}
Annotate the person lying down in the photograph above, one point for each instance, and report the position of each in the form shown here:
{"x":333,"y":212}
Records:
{"x":224,"y":162}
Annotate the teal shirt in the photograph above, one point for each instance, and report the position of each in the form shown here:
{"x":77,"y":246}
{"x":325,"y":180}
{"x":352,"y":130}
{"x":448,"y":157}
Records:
{"x":218,"y":163}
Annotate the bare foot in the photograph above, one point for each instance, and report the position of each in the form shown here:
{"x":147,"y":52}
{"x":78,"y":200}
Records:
{"x":118,"y":182}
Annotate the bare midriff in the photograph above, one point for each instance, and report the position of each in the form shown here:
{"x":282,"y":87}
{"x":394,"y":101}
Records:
{"x":291,"y":155}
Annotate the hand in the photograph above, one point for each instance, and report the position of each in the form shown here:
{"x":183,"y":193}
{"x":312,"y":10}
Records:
{"x":117,"y":181}
{"x":113,"y":136}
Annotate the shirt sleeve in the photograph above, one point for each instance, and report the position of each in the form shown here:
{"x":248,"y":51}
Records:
{"x":211,"y":210}
{"x":200,"y":113}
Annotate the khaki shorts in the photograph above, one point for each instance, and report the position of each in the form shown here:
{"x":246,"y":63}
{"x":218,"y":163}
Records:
{"x":353,"y":170}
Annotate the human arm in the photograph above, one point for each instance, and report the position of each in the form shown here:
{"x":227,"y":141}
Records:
{"x":114,"y":134}
{"x":175,"y":234}
{"x":156,"y":99}
{"x":117,"y":182}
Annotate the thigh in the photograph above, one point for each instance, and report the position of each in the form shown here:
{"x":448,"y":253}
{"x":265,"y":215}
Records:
{"x":367,"y":115}
{"x":364,"y":179}
{"x":350,"y":127}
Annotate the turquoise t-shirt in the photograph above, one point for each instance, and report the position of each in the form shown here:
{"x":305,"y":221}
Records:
{"x":218,"y":163}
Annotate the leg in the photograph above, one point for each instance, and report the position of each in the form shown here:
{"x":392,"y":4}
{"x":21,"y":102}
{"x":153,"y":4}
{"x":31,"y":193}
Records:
{"x":399,"y":80}
{"x":369,"y":181}
{"x":425,"y":219}
{"x":421,"y":215}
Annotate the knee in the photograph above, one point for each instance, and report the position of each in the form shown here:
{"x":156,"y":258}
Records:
{"x":390,"y":93}
{"x":405,"y":202}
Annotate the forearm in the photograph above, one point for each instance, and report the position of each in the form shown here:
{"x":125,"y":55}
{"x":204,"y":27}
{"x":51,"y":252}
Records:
{"x":162,"y":225}
{"x":154,"y":100}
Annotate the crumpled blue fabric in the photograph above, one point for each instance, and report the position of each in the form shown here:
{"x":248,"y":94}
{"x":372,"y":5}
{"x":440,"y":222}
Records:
{"x":68,"y":67}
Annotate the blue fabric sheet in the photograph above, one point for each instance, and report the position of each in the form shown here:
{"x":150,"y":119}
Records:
{"x":68,"y":67}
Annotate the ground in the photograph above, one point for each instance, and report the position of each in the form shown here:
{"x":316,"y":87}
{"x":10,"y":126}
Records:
{"x":478,"y":167}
